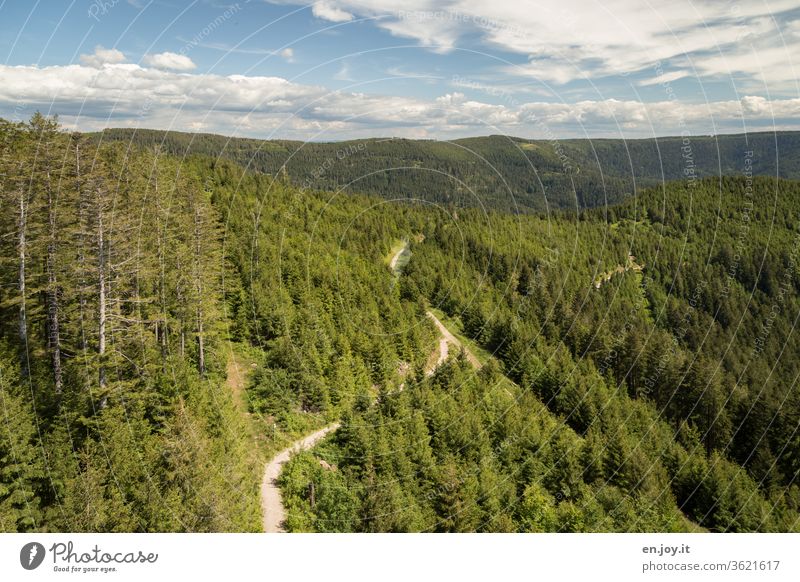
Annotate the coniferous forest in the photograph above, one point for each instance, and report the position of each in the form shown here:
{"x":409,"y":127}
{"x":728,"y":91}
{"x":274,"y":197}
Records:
{"x":497,"y":171}
{"x":171,"y":318}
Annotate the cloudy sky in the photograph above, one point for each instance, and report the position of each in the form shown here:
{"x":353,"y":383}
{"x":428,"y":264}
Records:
{"x":337,"y":69}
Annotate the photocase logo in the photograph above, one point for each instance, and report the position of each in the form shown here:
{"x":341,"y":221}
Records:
{"x":31,"y":555}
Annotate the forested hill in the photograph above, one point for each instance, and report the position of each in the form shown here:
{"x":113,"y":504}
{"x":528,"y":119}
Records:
{"x":663,"y":399}
{"x":499,"y":172}
{"x":130,"y":282}
{"x":666,"y":393}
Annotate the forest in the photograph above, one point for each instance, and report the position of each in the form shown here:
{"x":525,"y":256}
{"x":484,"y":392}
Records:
{"x":660,"y":400}
{"x":637,"y":360}
{"x":496,"y":172}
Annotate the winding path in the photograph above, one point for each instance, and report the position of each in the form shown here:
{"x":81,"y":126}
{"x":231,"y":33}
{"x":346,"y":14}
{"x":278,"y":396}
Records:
{"x":604,"y":278}
{"x":443,"y":353}
{"x":272,"y":512}
{"x":449,"y":338}
{"x":396,"y":257}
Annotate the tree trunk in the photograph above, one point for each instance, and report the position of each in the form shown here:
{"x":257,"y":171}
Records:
{"x":162,"y":286}
{"x":81,"y":251}
{"x":53,"y":332}
{"x":23,"y":316}
{"x":101,"y":337}
{"x":201,"y":358}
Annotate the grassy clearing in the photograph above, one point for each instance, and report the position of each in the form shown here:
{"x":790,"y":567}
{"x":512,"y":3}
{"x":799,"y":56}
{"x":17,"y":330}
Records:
{"x":401,"y":250}
{"x":397,"y":246}
{"x":269,"y":435}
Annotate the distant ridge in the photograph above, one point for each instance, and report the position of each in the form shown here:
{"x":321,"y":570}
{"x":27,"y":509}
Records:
{"x":494,"y":172}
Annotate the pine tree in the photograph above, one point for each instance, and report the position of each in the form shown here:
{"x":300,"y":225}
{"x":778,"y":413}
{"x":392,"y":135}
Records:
{"x":20,"y":465}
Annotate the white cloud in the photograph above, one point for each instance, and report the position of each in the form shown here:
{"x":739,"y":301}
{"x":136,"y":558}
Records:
{"x":700,"y":117}
{"x":440,"y":36}
{"x":566,"y":40}
{"x":168,"y":60}
{"x":287,"y":54}
{"x":101,"y":56}
{"x":123,"y":94}
{"x":344,"y":73}
{"x":665,"y":78}
{"x":328,"y":11}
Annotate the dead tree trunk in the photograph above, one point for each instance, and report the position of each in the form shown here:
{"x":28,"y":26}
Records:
{"x":53,"y":332}
{"x":161,"y":326}
{"x":201,"y":359}
{"x":82,"y":213}
{"x":23,"y":316}
{"x":101,"y":336}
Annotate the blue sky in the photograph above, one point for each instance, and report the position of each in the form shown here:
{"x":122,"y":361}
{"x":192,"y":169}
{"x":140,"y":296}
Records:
{"x":337,"y":69}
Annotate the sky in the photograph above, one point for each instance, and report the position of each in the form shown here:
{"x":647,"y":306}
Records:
{"x":434,"y":69}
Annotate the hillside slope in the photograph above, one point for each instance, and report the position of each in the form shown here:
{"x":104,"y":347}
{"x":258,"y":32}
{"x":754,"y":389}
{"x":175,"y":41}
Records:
{"x":497,"y":172}
{"x":641,"y":405}
{"x":664,"y":400}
